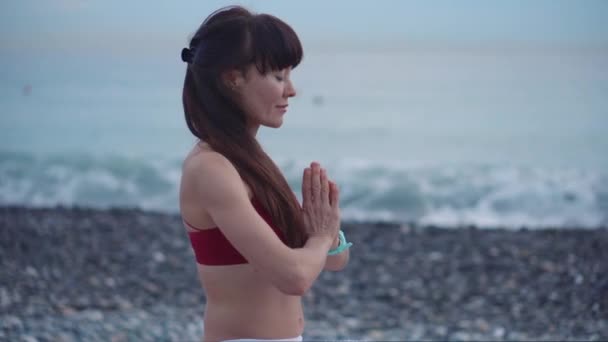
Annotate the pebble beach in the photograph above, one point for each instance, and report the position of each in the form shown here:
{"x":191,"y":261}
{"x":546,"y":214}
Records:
{"x":80,"y":274}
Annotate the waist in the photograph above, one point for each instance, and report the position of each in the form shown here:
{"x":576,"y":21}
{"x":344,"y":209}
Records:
{"x":240,"y":285}
{"x":275,"y":319}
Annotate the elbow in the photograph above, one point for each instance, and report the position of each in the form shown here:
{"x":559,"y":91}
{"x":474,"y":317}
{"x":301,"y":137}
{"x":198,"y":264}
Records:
{"x":297,"y":287}
{"x":297,"y":284}
{"x":296,"y":290}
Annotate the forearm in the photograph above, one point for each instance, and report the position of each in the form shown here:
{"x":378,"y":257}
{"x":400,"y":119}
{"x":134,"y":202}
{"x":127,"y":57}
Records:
{"x":337,"y":262}
{"x":311,"y":258}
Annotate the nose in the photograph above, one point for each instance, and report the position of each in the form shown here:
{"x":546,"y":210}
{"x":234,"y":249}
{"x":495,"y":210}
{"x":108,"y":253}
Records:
{"x":290,"y":91}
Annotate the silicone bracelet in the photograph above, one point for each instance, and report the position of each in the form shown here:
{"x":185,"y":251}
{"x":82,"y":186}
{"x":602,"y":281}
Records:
{"x":342,"y":245}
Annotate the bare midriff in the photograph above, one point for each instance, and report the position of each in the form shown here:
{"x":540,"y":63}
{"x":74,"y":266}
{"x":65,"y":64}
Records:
{"x":241,"y":303}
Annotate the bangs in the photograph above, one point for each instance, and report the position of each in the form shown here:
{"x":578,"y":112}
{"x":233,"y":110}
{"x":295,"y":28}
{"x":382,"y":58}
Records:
{"x":274,"y":44}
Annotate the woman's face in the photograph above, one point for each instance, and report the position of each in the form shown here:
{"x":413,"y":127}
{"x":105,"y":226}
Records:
{"x":265,"y":97}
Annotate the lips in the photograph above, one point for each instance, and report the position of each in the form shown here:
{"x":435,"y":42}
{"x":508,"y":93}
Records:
{"x":282,"y":108}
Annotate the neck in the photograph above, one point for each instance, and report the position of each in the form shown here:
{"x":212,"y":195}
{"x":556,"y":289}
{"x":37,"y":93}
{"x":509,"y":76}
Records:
{"x":253,"y":130}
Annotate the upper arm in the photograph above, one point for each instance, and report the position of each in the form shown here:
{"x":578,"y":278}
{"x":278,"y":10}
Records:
{"x":224,"y":196}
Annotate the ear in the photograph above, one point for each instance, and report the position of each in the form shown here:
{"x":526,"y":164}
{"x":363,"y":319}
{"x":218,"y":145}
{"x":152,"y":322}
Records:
{"x":233,"y":79}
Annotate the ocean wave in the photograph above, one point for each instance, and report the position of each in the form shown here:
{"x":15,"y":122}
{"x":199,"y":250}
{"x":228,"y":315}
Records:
{"x":484,"y":195}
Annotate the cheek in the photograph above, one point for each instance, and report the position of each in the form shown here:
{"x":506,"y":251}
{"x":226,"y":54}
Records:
{"x":269,"y":96}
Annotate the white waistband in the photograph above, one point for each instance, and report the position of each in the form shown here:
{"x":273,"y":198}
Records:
{"x":292,"y":339}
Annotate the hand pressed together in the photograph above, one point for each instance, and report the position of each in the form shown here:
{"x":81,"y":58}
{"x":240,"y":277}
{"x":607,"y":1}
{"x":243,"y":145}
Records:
{"x":321,"y":203}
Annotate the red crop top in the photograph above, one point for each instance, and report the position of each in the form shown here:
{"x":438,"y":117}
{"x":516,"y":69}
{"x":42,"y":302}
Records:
{"x":212,"y":248}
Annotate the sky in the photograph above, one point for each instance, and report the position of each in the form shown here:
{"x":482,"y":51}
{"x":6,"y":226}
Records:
{"x":70,"y":25}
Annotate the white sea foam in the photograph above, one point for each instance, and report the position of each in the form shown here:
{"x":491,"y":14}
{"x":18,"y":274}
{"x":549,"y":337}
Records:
{"x":447,"y":195}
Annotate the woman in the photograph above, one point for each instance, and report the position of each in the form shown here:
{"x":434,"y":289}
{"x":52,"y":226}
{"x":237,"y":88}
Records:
{"x":257,"y":250}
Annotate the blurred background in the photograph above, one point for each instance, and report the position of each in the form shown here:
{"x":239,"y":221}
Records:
{"x":434,"y":112}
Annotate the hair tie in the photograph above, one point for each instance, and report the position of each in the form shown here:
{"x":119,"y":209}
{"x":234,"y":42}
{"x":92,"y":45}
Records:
{"x":187,"y":55}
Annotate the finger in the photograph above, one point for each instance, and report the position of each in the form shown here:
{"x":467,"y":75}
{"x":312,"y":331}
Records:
{"x":306,"y":190}
{"x":306,"y":221}
{"x":335,"y":196}
{"x":316,"y":183}
{"x":324,"y":188}
{"x":331,"y":192}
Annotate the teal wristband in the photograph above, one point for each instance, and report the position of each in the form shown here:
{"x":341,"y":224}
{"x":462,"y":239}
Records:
{"x":342,"y":245}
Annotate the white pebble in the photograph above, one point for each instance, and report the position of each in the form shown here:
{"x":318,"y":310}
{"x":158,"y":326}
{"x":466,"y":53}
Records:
{"x":159,"y":257}
{"x":376,"y":335}
{"x":12,"y":321}
{"x":5,"y":299}
{"x":94,"y":315}
{"x":31,"y":271}
{"x":441,"y":330}
{"x":110,"y":282}
{"x":351,"y":322}
{"x":499,"y":332}
{"x":435,"y":256}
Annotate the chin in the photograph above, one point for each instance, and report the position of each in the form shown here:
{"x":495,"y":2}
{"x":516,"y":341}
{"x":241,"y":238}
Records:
{"x":275,"y":124}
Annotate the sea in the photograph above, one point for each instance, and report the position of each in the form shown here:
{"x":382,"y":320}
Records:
{"x":491,"y":136}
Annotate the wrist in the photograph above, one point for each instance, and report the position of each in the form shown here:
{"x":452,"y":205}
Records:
{"x":336,"y":242}
{"x":323,"y":240}
{"x":342,"y":245}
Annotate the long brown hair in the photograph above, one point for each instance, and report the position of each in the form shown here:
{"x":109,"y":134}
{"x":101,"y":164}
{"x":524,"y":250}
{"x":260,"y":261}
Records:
{"x":234,"y":38}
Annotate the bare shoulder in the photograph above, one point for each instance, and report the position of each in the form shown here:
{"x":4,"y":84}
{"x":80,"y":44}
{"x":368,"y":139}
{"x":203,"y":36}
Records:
{"x":206,"y":161}
{"x":211,"y":177}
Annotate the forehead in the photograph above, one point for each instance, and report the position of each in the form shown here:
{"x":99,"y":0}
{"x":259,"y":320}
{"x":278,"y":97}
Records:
{"x":252,"y":72}
{"x":252,"y":69}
